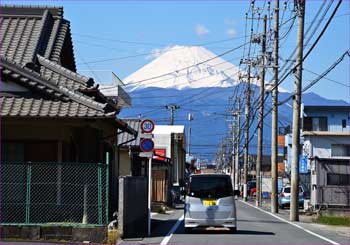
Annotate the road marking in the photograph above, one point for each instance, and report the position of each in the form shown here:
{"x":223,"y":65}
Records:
{"x":171,"y":232}
{"x":291,"y":223}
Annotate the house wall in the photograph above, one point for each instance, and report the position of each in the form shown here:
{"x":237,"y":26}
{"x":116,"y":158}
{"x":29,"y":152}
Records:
{"x":323,"y":193}
{"x":124,"y":163}
{"x":321,"y":145}
{"x":334,"y":119}
{"x":163,"y":141}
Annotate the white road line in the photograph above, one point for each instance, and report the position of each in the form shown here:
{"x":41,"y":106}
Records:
{"x":171,"y":232}
{"x":291,"y":223}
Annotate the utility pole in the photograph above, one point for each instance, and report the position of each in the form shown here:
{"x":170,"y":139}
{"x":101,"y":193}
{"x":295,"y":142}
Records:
{"x":294,"y":211}
{"x":274,"y":159}
{"x":246,"y":135}
{"x":190,"y":118}
{"x":261,"y":116}
{"x":238,"y":132}
{"x":172,"y":108}
{"x":233,"y":161}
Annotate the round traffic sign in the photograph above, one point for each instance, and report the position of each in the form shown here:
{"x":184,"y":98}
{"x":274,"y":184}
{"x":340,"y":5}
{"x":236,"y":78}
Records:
{"x":146,"y":145}
{"x":147,"y":126}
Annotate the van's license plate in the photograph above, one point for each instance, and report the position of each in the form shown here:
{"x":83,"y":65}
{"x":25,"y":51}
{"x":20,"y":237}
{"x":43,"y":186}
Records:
{"x":209,"y":202}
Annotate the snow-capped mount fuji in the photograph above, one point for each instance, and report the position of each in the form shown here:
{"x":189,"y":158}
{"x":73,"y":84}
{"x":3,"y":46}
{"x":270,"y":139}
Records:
{"x":200,"y":83}
{"x":186,"y":67}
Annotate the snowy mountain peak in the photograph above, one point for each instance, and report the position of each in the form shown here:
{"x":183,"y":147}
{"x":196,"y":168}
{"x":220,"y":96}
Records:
{"x":185,"y":67}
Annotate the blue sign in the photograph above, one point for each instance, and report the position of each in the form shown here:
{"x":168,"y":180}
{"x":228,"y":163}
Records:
{"x":302,"y":164}
{"x":280,"y":151}
{"x":146,"y":145}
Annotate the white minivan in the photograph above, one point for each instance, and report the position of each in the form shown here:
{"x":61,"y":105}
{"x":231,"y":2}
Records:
{"x":210,"y":202}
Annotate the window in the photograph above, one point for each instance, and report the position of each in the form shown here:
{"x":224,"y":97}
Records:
{"x":339,"y":150}
{"x":315,"y":124}
{"x":323,"y":125}
{"x":338,"y":179}
{"x":210,"y":187}
{"x":343,"y":123}
{"x":307,"y":123}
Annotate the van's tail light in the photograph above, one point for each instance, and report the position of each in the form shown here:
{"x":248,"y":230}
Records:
{"x":282,"y":194}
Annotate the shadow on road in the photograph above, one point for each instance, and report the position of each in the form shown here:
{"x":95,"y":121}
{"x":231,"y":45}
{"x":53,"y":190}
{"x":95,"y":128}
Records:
{"x":161,"y":227}
{"x":261,"y":221}
{"x":223,"y":231}
{"x":249,"y":232}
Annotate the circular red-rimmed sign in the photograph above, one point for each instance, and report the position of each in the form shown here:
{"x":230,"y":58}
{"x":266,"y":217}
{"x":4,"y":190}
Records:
{"x":146,"y":145}
{"x":147,"y":126}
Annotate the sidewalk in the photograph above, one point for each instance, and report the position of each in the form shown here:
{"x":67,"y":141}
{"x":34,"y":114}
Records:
{"x":160,"y":226}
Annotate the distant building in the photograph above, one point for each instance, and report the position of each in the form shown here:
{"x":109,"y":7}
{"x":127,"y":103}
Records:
{"x":169,"y":143}
{"x":326,"y":131}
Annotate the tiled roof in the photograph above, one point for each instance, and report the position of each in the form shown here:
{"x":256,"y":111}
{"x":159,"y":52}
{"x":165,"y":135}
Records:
{"x":124,"y":137}
{"x":64,"y":77}
{"x":37,"y":53}
{"x":29,"y":107}
{"x":27,"y":31}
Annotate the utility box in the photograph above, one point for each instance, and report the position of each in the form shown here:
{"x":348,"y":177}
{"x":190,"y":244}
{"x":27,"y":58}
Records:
{"x":133,"y":210}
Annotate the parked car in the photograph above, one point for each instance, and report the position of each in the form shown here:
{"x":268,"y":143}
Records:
{"x":210,"y":202}
{"x":284,"y":196}
{"x":176,"y":198}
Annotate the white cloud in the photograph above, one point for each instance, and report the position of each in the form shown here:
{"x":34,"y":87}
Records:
{"x":231,"y":32}
{"x":201,"y":30}
{"x":229,"y":22}
{"x":155,"y":53}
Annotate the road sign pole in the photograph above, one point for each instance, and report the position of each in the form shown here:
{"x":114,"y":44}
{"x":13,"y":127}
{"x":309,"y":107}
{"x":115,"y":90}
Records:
{"x":149,"y":194}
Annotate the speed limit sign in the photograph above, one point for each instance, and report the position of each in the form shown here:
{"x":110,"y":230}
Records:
{"x":147,"y":126}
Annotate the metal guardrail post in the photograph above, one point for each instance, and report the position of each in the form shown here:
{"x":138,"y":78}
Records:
{"x":99,"y":193}
{"x":107,"y":185}
{"x":29,"y":177}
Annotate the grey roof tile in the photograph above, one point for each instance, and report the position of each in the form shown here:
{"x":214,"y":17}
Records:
{"x":28,"y":107}
{"x":27,"y":31}
{"x":124,"y":136}
{"x":71,"y":80}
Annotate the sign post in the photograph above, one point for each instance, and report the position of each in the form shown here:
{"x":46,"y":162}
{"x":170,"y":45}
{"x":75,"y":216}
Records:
{"x":147,"y":146}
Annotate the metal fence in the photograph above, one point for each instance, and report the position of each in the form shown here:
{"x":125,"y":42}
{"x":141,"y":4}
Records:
{"x":54,"y":193}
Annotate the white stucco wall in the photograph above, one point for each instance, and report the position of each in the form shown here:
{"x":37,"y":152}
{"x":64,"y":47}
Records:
{"x":321,"y":145}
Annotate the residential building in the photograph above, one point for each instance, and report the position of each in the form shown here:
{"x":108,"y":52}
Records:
{"x":326,"y":131}
{"x":58,"y":129}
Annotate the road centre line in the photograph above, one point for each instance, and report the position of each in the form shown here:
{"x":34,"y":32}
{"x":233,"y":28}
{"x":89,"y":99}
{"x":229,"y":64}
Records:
{"x":171,"y":232}
{"x":291,"y":223}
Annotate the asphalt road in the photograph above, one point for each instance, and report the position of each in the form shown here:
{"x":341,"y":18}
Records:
{"x":254,"y":227}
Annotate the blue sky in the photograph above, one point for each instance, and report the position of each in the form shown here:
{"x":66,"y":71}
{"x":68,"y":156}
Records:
{"x":110,"y":29}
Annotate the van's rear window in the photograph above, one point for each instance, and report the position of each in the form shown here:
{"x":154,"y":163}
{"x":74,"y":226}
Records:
{"x":210,"y":187}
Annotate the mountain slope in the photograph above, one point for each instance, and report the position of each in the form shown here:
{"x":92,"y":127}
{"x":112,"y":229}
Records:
{"x":209,"y":107}
{"x":186,"y":68}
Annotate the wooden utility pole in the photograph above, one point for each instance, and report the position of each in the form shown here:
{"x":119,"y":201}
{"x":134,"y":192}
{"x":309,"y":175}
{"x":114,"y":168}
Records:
{"x":261,"y":116}
{"x":233,"y":168}
{"x":294,"y":201}
{"x":238,"y":139}
{"x":274,"y":159}
{"x":246,"y":135}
